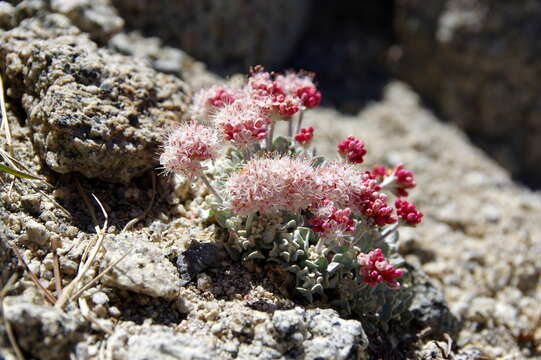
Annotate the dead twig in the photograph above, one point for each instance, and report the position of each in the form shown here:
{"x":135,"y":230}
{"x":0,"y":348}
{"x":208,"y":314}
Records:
{"x":66,"y":293}
{"x":5,"y":122}
{"x":56,"y":265}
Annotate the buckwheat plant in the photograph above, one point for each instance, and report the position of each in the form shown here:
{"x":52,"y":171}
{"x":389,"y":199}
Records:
{"x":329,"y":225}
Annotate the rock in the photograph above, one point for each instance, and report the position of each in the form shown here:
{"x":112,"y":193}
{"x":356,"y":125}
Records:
{"x":145,"y":270}
{"x":158,"y":342}
{"x":331,"y":337}
{"x":164,"y":58}
{"x":474,"y":60}
{"x":197,"y":258}
{"x":429,"y":307}
{"x":96,"y":17}
{"x":43,"y":331}
{"x":36,"y":233}
{"x":90,"y":110}
{"x":229,"y":36}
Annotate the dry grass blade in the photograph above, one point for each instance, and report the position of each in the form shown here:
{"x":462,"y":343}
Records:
{"x":8,"y":286}
{"x":5,"y":123}
{"x":46,"y":293}
{"x":56,"y":265}
{"x":66,"y":294}
{"x":100,"y":275}
{"x":147,"y":210}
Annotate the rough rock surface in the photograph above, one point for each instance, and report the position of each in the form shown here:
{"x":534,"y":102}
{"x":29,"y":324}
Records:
{"x":96,"y":17}
{"x":42,"y":331}
{"x":477,"y":61}
{"x":240,"y":333}
{"x":90,"y":110}
{"x":230,"y":35}
{"x":144,"y":270}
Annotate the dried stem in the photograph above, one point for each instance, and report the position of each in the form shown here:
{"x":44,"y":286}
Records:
{"x":210,"y":187}
{"x":5,"y":123}
{"x":56,"y":265}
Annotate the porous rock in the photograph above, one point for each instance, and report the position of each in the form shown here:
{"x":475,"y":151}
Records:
{"x":8,"y":263}
{"x":474,"y":60}
{"x":42,"y":331}
{"x":230,"y":35}
{"x":90,"y":110}
{"x":145,"y":270}
{"x":96,"y":17}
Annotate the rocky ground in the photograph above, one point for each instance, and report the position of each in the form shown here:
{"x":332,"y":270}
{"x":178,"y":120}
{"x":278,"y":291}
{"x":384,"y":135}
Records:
{"x":90,"y":118}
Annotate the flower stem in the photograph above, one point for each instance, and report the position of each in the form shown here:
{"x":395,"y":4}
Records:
{"x":270,"y":136}
{"x":290,"y":128}
{"x":209,"y":186}
{"x":301,"y":113}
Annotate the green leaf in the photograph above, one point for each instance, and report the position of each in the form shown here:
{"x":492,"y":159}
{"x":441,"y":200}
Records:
{"x":318,"y":161}
{"x":281,"y":145}
{"x":18,"y":173}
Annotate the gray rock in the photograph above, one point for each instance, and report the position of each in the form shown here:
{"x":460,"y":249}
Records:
{"x":231,"y":35}
{"x":91,"y":111}
{"x":159,"y":342}
{"x":429,"y":307}
{"x":96,"y":17}
{"x":474,"y":59}
{"x":307,"y":334}
{"x":197,"y":258}
{"x":42,"y":331}
{"x":146,"y":270}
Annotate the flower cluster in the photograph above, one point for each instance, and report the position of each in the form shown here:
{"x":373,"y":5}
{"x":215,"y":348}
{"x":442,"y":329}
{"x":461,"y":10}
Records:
{"x":243,"y":122}
{"x":305,"y":136}
{"x":337,"y":210}
{"x":408,"y":212}
{"x":207,"y":101}
{"x":187,"y":146}
{"x":375,"y":269}
{"x":331,"y":221}
{"x":352,"y":150}
{"x":273,"y":185}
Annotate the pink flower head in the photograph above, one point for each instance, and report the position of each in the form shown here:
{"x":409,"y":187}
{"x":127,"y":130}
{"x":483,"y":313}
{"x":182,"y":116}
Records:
{"x":300,"y":85}
{"x":375,"y":269}
{"x":243,"y":122}
{"x":187,"y":146}
{"x":330,"y":221}
{"x":352,"y":149}
{"x":270,"y":94}
{"x":408,"y":212}
{"x":206,"y":101}
{"x":339,"y":181}
{"x":273,"y":185}
{"x":404,"y":180}
{"x":379,"y":172}
{"x":368,"y":201}
{"x":304,"y":137}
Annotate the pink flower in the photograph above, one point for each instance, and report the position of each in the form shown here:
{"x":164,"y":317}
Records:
{"x":352,"y":149}
{"x":408,"y":212}
{"x":273,"y":185}
{"x":330,"y":221}
{"x":300,"y":85}
{"x":348,"y":187}
{"x":379,"y":172}
{"x":375,"y":269}
{"x":243,"y":122}
{"x":304,"y":137}
{"x":206,"y":101}
{"x":404,"y":180}
{"x":270,"y":94}
{"x":187,"y":146}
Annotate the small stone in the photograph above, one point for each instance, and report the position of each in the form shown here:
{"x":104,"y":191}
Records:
{"x":197,"y":258}
{"x":36,"y":233}
{"x":100,"y":298}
